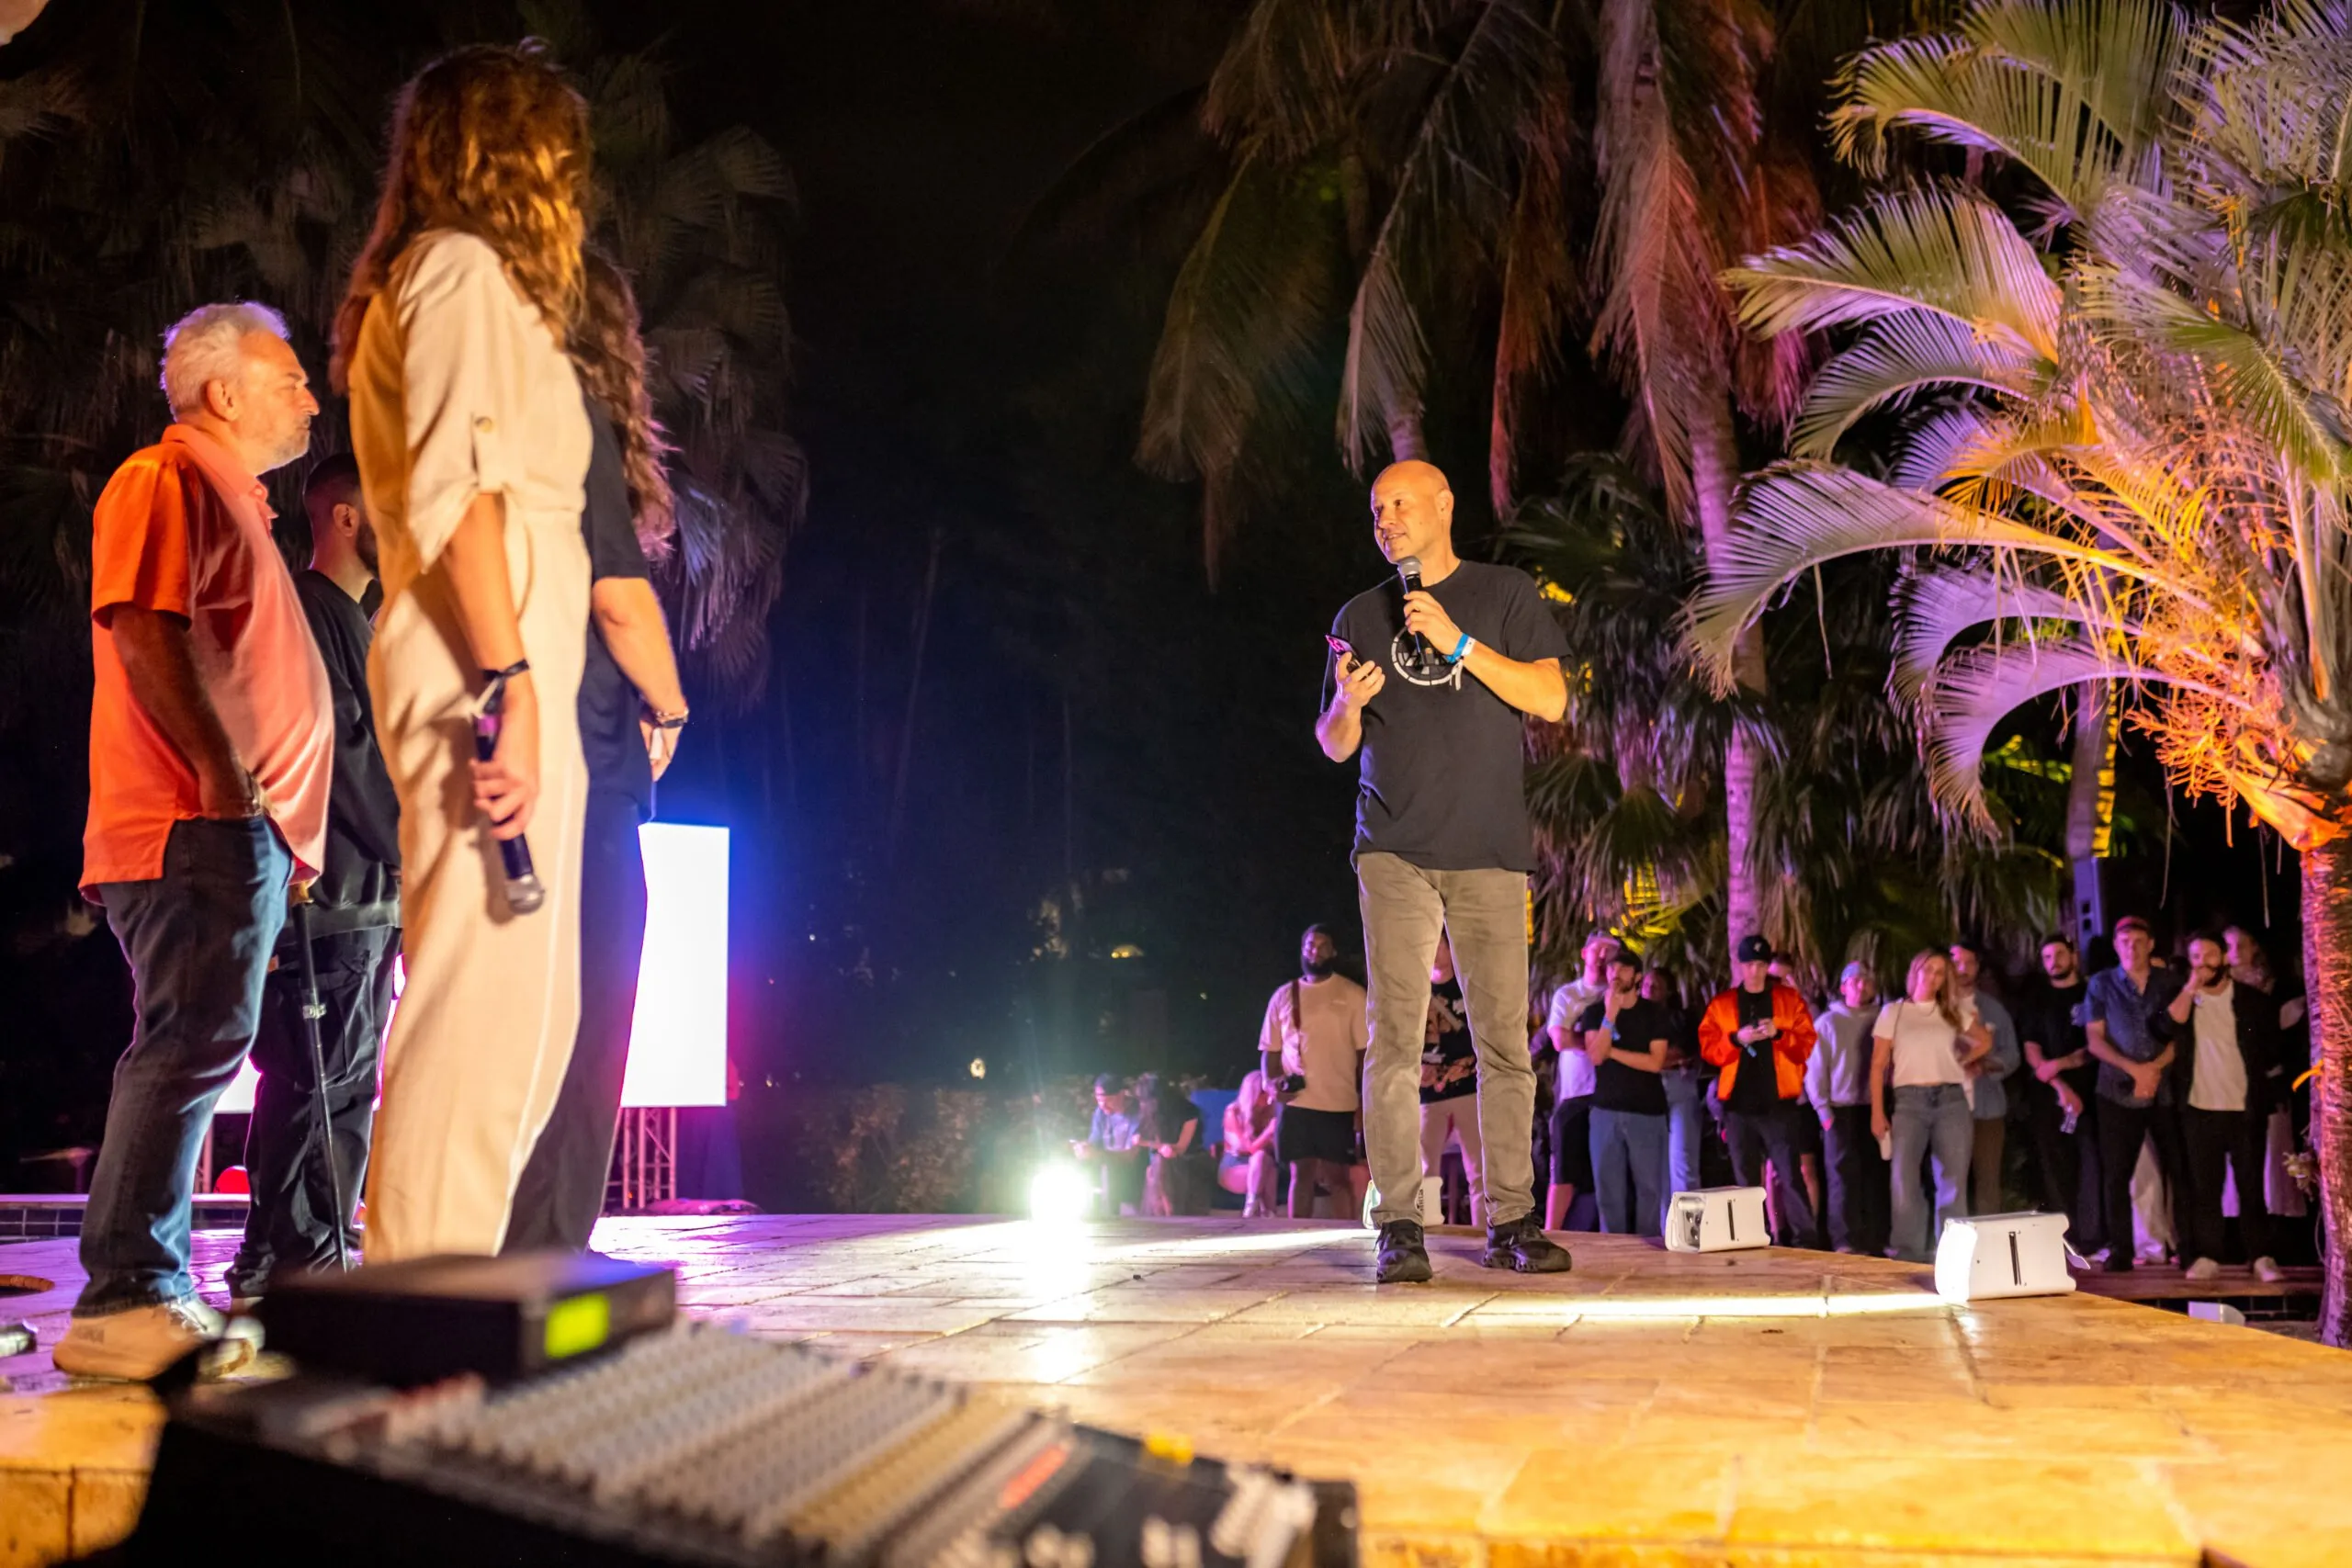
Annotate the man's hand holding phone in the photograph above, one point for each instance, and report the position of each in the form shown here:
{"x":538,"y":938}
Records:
{"x":1355,"y":682}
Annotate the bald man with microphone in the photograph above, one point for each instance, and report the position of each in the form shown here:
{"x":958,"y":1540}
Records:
{"x":1432,"y":676}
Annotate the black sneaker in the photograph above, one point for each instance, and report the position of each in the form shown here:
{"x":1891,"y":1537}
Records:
{"x":1400,"y":1258}
{"x":1522,"y":1245}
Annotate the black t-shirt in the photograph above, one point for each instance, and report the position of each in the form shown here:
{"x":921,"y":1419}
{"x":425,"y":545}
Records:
{"x":1616,"y":1085}
{"x":1441,"y":774}
{"x":1448,"y":1061}
{"x":1755,"y":1087}
{"x":2048,"y":1019}
{"x":363,"y":814}
{"x":609,"y":738}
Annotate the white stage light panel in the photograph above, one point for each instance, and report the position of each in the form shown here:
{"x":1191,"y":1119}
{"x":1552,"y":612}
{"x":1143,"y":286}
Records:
{"x":677,"y":1049}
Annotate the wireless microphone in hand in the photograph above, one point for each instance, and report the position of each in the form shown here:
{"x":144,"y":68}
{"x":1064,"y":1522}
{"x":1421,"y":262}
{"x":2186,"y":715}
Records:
{"x":1409,"y":572}
{"x":523,"y":893}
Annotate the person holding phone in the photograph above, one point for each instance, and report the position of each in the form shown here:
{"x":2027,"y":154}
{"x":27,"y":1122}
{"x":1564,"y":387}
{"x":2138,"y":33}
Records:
{"x":2229,"y":1076}
{"x":1759,"y":1036}
{"x":1449,"y":660}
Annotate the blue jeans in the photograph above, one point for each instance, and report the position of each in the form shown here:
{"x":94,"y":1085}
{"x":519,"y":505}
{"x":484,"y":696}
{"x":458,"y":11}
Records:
{"x":199,"y":939}
{"x":1929,"y":1119}
{"x":1628,"y":1167}
{"x":1686,"y":1118}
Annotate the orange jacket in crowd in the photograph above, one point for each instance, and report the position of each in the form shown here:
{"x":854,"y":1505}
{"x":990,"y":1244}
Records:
{"x":1790,"y":1048}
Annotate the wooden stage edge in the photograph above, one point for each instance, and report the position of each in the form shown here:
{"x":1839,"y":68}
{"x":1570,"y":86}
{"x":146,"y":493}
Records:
{"x":1747,"y":1410}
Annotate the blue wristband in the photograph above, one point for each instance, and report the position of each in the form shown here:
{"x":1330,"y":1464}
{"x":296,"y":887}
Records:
{"x":1461,"y":649}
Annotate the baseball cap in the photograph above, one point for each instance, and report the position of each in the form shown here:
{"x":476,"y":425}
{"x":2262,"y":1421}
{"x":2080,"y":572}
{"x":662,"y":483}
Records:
{"x":1755,"y":950}
{"x":1857,"y":970}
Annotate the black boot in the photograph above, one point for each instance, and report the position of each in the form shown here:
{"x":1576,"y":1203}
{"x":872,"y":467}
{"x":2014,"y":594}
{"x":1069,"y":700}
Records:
{"x":1400,"y":1258}
{"x":1521,"y":1245}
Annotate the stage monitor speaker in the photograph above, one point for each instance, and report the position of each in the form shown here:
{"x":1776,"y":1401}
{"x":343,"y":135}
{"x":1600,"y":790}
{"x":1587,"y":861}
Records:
{"x":1717,"y":1219}
{"x":1991,"y":1256}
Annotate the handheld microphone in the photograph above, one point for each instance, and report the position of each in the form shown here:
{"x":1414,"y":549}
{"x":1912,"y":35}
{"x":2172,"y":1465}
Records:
{"x":523,"y":893}
{"x":1409,"y":572}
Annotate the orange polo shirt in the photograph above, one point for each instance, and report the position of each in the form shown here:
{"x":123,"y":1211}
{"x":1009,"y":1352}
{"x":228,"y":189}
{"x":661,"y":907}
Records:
{"x":181,"y":529}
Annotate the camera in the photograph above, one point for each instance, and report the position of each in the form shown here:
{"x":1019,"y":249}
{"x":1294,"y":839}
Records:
{"x":1291,"y":1083}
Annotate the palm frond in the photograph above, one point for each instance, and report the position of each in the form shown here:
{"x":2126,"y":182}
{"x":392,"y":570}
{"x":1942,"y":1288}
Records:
{"x":1933,"y":248}
{"x":1896,"y":358}
{"x":1460,"y":174}
{"x":1243,"y":325}
{"x":1796,"y":516}
{"x":1974,"y":690}
{"x":2073,"y":90}
{"x":1939,"y":604}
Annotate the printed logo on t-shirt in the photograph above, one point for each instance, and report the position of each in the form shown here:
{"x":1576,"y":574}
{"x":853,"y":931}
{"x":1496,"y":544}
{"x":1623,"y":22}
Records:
{"x":1421,"y":664}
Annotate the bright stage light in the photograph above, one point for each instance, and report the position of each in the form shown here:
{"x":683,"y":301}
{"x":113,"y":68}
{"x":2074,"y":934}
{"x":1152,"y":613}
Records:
{"x":677,"y":1045}
{"x":1059,"y":1195}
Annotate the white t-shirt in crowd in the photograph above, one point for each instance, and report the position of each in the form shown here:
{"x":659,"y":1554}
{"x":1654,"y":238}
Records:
{"x":1927,"y":1048}
{"x":2220,"y":1084}
{"x":1576,"y":1072}
{"x":1324,"y":1038}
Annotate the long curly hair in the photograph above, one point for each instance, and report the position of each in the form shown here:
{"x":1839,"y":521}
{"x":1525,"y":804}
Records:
{"x":493,"y":140}
{"x":609,"y":355}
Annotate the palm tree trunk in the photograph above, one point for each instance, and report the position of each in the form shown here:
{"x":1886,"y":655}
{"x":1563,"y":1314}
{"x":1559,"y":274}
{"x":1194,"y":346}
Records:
{"x":1715,"y":478}
{"x":2091,"y":792}
{"x":2327,"y":988}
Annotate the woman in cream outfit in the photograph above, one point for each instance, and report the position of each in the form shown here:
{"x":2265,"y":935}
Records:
{"x":473,"y":445}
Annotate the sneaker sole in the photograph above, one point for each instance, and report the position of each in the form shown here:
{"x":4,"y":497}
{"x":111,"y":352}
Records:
{"x":1407,"y":1274}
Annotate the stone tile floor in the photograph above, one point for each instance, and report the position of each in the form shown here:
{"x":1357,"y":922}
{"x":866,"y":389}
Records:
{"x":1778,"y":1408}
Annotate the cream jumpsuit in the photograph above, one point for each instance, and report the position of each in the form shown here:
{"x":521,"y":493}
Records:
{"x":457,"y":389}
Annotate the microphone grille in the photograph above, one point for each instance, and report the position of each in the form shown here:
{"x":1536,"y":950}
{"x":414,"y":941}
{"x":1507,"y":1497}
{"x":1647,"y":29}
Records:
{"x":1408,"y":566}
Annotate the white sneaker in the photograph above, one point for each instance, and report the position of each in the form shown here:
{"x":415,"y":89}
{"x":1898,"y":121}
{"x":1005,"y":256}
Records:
{"x":2204,"y":1269}
{"x":137,"y":1343}
{"x":2266,"y":1270}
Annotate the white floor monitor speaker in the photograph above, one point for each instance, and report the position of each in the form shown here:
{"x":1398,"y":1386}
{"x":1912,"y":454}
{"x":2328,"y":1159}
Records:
{"x":1717,"y":1219}
{"x":1991,"y":1256}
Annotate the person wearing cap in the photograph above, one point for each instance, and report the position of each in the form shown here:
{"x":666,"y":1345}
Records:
{"x":1838,"y":1084}
{"x":2121,"y":1009}
{"x":1758,"y":1036}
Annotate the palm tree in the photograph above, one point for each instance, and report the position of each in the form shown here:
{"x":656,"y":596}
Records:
{"x":1381,"y":177}
{"x":2124,"y":464}
{"x":1623,"y":792}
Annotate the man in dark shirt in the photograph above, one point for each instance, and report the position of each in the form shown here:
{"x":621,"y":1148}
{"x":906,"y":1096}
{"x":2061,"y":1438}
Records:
{"x":2119,"y":1013}
{"x":2062,"y":1081}
{"x":292,"y":1222}
{"x":631,"y":709}
{"x":1431,"y":691}
{"x":1628,"y":1039}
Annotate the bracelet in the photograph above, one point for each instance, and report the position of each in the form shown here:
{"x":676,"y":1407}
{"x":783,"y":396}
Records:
{"x":1461,"y":650}
{"x":661,"y":721}
{"x":520,"y":667}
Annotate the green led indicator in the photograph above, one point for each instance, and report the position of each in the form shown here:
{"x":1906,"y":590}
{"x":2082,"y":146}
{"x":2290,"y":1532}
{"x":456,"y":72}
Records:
{"x":578,"y":1325}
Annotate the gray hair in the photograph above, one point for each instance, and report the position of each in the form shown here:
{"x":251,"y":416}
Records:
{"x":207,"y":344}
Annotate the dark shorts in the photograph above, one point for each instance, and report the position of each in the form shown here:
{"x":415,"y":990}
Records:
{"x":1571,"y":1142}
{"x":1315,"y":1135}
{"x":1808,"y":1126}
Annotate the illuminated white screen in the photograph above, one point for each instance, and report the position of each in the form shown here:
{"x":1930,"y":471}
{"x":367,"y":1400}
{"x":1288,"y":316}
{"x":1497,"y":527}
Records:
{"x":677,"y":1047}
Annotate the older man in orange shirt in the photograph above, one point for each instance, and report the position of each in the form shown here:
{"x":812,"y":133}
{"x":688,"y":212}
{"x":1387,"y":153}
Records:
{"x":211,"y":739}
